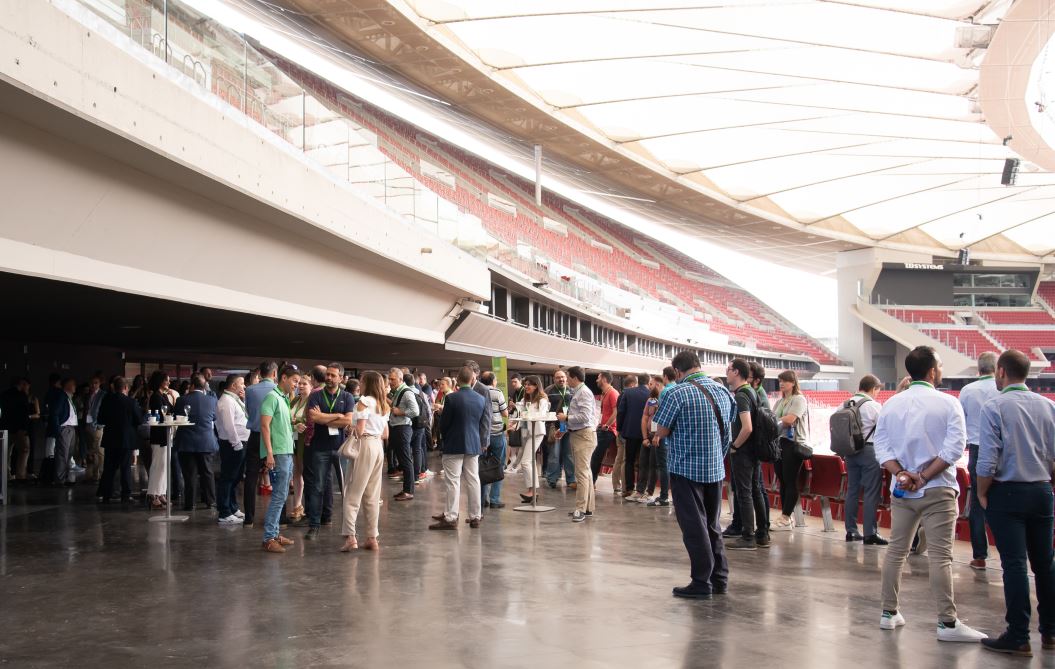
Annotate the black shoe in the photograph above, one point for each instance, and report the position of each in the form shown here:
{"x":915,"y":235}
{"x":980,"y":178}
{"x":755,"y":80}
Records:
{"x":692,"y":592}
{"x":762,"y":541}
{"x":301,"y":522}
{"x":743,"y":544}
{"x":732,"y":532}
{"x":719,"y":589}
{"x":526,"y":499}
{"x":312,"y":535}
{"x":484,"y":505}
{"x":248,"y":524}
{"x":853,"y":536}
{"x":497,"y":505}
{"x":1003,"y":645}
{"x":553,"y":484}
{"x":875,"y":540}
{"x":327,"y":522}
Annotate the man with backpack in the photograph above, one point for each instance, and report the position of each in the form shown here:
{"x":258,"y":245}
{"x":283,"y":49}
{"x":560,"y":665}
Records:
{"x":420,"y":425}
{"x":743,"y":456}
{"x":852,"y":427}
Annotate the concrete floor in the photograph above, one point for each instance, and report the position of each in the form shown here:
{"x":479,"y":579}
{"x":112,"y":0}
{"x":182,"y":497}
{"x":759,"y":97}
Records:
{"x":89,"y":586}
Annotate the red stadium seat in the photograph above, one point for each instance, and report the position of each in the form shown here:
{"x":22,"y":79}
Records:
{"x":827,"y":484}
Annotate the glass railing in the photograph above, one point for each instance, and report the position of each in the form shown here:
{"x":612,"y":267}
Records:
{"x":224,"y":63}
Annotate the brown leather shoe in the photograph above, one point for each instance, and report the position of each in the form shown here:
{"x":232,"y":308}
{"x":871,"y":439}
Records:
{"x":284,"y":541}
{"x":349,"y":545}
{"x":403,"y":497}
{"x":474,"y":522}
{"x":371,"y":544}
{"x":438,"y":516}
{"x":573,"y":485}
{"x":272,"y":546}
{"x":978,"y":564}
{"x":443,"y":524}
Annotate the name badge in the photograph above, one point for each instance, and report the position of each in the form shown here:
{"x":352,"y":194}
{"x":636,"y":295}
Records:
{"x":333,"y":431}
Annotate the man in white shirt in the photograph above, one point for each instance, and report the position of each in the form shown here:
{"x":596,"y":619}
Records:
{"x":864,"y":476}
{"x":581,"y":418}
{"x":972,"y":398}
{"x":919,"y":438}
{"x":233,"y":431}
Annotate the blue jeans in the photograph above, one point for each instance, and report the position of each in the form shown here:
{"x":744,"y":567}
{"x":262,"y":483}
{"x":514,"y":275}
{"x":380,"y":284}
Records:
{"x":232,"y":466}
{"x":492,"y":492}
{"x":560,"y":458}
{"x":864,"y":481}
{"x":318,"y":486}
{"x":280,"y":477}
{"x":1021,"y":518}
{"x":401,"y":438}
{"x":976,"y":514}
{"x":420,"y":446}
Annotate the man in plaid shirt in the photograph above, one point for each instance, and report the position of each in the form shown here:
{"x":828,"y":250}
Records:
{"x":694,"y":418}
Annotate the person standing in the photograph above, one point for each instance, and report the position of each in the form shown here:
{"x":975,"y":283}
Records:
{"x":791,"y":417}
{"x":532,"y":433}
{"x":973,"y":397}
{"x":465,"y":417}
{"x":254,"y":399}
{"x":630,"y":408}
{"x":514,"y":438}
{"x":758,"y":375}
{"x":161,"y":399}
{"x":206,"y":373}
{"x":694,"y":420}
{"x":401,"y":430}
{"x":298,"y":410}
{"x":747,"y":470}
{"x":233,"y":432}
{"x":607,"y":427}
{"x":121,"y":417}
{"x":330,"y":412}
{"x":276,"y":450}
{"x":1016,"y":453}
{"x":420,"y":426}
{"x":864,"y":477}
{"x":362,"y":478}
{"x":560,"y":450}
{"x":196,"y":443}
{"x":62,"y":426}
{"x":581,"y":420}
{"x":15,"y":411}
{"x":919,"y":437}
{"x":657,"y":447}
{"x":498,"y":413}
{"x":94,"y":457}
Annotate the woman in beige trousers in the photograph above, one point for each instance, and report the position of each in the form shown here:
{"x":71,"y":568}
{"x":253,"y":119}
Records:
{"x":362,"y":477}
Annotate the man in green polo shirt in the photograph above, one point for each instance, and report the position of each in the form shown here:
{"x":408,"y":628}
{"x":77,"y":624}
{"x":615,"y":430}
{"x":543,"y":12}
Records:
{"x":276,"y":449}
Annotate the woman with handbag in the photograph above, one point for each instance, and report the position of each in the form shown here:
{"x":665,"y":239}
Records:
{"x":366,"y":455}
{"x":296,"y":411}
{"x":794,"y":445}
{"x":531,"y":434}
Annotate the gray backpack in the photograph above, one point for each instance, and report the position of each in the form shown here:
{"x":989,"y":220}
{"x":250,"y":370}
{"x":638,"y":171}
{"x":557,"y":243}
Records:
{"x":847,"y":435}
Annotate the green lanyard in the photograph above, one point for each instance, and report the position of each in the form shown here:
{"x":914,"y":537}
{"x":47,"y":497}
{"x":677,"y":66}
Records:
{"x":564,"y":398}
{"x":1018,"y":387}
{"x":282,"y":395}
{"x":330,"y":403}
{"x":236,"y":399}
{"x":922,"y":383}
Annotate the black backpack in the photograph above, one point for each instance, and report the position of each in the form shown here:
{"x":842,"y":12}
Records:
{"x":765,"y":429}
{"x":423,"y":421}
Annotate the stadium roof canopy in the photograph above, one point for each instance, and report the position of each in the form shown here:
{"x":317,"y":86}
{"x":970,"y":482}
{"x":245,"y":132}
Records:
{"x":778,"y":127}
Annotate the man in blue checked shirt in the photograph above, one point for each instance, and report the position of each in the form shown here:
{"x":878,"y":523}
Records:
{"x":694,"y":418}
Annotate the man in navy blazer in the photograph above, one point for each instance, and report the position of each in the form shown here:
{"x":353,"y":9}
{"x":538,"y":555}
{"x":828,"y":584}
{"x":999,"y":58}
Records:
{"x":119,"y":416}
{"x":196,"y":443}
{"x":465,"y":417}
{"x":62,"y":426}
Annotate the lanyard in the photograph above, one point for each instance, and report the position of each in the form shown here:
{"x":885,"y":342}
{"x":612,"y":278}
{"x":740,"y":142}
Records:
{"x":330,"y":403}
{"x":236,"y":399}
{"x":564,"y":401}
{"x":282,"y":395}
{"x":1018,"y":387}
{"x":921,"y":383}
{"x":692,"y":377}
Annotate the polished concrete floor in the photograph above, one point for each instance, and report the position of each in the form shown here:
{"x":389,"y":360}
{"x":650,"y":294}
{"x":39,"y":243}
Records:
{"x":91,"y":586}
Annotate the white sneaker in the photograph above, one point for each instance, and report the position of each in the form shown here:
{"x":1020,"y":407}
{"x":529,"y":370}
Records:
{"x":960,"y":632}
{"x":239,"y":514}
{"x":889,"y":621}
{"x":230,"y":520}
{"x":633,"y":497}
{"x":781,"y":526}
{"x":644,"y":499}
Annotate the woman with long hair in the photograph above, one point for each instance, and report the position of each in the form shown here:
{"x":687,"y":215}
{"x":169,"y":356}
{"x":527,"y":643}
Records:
{"x":362,"y":476}
{"x":531,"y":436}
{"x":160,"y":398}
{"x":296,"y":413}
{"x":791,"y":415}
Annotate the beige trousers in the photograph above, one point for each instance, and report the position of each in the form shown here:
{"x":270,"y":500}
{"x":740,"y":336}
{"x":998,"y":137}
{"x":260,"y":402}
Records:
{"x":362,"y":486}
{"x":619,"y":466}
{"x":454,"y":466}
{"x":583,"y":443}
{"x":94,"y":460}
{"x":20,"y":448}
{"x":937,"y":511}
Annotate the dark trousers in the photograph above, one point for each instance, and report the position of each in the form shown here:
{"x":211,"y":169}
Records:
{"x":318,"y":484}
{"x":401,"y":436}
{"x":697,"y":507}
{"x":252,"y":476}
{"x":750,"y":500}
{"x":176,"y":470}
{"x":734,"y":524}
{"x":232,"y":468}
{"x":788,"y":474}
{"x":864,"y":481}
{"x":605,"y":440}
{"x":631,"y":452}
{"x":113,"y":460}
{"x":656,"y":469}
{"x":976,"y":514}
{"x":1021,"y":518}
{"x":197,"y":470}
{"x":419,"y":443}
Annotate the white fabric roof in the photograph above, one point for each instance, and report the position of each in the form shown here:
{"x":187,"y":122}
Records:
{"x":851,"y":117}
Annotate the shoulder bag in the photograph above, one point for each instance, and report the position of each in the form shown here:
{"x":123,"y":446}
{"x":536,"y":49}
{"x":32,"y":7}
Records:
{"x":350,"y":448}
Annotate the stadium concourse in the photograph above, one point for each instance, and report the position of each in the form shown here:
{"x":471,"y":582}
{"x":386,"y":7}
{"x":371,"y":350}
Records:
{"x":372,"y":333}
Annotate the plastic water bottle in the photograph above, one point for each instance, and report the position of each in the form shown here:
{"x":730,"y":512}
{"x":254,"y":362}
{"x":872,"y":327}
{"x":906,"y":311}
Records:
{"x":563,"y":426}
{"x":899,"y":490}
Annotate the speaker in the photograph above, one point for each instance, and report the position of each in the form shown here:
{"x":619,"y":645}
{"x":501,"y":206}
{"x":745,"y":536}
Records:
{"x":1010,"y":172}
{"x":964,"y":257}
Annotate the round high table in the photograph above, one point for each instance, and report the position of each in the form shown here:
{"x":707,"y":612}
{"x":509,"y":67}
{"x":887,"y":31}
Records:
{"x":532,"y":419}
{"x":168,"y":517}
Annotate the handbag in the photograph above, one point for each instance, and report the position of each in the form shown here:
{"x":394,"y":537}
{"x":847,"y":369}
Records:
{"x":492,"y":469}
{"x":350,"y":448}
